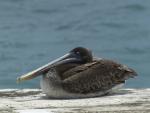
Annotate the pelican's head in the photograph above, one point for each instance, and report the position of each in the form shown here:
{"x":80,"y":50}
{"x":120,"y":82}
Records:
{"x":84,"y":54}
{"x":78,"y":55}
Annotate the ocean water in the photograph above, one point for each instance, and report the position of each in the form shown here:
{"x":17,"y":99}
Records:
{"x":34,"y":32}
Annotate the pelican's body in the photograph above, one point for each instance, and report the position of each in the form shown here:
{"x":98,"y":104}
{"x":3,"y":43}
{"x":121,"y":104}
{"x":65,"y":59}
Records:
{"x":97,"y":78}
{"x":55,"y":90}
{"x":82,"y":77}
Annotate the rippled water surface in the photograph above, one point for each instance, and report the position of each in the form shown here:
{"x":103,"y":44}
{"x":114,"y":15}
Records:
{"x":34,"y":32}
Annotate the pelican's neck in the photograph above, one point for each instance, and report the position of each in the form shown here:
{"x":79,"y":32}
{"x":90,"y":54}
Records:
{"x":61,"y":69}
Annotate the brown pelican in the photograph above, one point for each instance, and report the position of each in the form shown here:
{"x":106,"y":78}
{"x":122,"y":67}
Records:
{"x":78,"y":75}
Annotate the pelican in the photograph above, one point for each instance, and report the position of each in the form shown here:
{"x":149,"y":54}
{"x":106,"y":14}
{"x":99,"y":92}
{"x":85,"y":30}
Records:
{"x":78,"y":74}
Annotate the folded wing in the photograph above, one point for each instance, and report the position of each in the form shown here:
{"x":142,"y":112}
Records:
{"x":99,"y":75}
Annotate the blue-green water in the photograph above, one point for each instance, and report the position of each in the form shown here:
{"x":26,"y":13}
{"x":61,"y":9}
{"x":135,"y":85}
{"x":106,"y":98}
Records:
{"x":34,"y":32}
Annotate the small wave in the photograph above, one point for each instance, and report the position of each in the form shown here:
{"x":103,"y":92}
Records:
{"x":5,"y":44}
{"x":135,"y":50}
{"x":68,"y":26}
{"x":4,"y":57}
{"x":46,"y":11}
{"x":134,"y":7}
{"x":77,"y":4}
{"x":114,"y":25}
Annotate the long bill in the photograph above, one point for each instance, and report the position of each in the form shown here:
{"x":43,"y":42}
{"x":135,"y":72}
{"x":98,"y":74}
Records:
{"x":67,"y":58}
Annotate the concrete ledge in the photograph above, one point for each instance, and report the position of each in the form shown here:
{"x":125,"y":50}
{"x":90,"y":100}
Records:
{"x":34,"y":101}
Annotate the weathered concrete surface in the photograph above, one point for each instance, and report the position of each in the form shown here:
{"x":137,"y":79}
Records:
{"x":34,"y":101}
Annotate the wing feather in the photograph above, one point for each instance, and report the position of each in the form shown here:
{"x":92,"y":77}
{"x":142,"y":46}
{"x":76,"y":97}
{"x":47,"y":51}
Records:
{"x":100,"y":75}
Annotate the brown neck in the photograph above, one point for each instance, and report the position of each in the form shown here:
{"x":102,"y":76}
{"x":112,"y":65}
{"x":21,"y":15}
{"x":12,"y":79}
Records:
{"x":63,"y":68}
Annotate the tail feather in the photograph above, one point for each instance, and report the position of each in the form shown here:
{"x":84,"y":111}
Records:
{"x":131,"y":73}
{"x":128,"y":72}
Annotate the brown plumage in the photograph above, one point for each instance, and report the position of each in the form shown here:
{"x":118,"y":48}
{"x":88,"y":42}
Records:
{"x":79,"y":75}
{"x":90,"y":75}
{"x":99,"y":75}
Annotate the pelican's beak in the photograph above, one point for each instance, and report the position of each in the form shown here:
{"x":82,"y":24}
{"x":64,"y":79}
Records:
{"x":67,"y":58}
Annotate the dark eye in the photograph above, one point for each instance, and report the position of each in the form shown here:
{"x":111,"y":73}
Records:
{"x":78,"y":53}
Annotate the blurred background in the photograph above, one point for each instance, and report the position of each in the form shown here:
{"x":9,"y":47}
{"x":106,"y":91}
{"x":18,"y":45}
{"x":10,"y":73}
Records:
{"x":34,"y":32}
